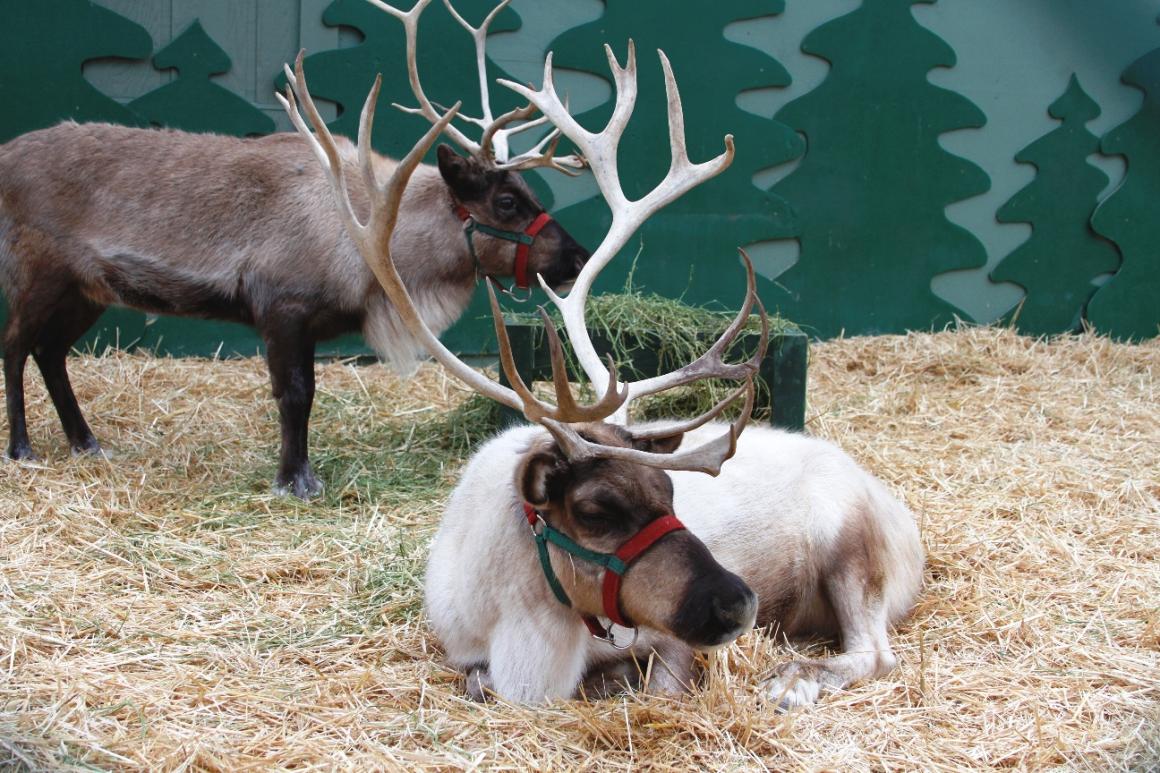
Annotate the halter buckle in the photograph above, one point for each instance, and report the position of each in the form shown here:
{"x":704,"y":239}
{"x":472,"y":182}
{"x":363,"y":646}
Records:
{"x":510,"y":292}
{"x":610,"y":640}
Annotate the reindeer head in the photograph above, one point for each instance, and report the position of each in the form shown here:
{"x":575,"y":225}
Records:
{"x":489,"y":194}
{"x":499,"y":208}
{"x":674,"y":584}
{"x":594,"y":483}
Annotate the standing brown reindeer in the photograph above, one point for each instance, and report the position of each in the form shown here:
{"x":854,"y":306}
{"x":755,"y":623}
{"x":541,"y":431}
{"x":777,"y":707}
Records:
{"x":556,"y":525}
{"x":244,"y":230}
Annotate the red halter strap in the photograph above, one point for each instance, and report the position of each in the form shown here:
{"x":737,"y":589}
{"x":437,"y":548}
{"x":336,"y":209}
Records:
{"x":523,"y":240}
{"x":628,"y":553}
{"x":523,"y":248}
{"x":614,"y":564}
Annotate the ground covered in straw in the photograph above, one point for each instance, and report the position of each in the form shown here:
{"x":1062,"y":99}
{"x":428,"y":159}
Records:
{"x":163,"y":610}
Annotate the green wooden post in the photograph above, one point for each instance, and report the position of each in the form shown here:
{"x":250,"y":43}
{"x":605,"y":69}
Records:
{"x":784,"y":370}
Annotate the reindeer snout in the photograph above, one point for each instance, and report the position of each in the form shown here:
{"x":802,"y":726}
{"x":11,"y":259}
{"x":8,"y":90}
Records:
{"x":740,"y":612}
{"x":717,"y":609}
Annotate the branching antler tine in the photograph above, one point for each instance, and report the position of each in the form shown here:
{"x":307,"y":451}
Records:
{"x":751,"y":299}
{"x":711,"y":364}
{"x":575,"y":448}
{"x":679,"y":429}
{"x":320,"y":140}
{"x":532,"y":408}
{"x":570,"y":165}
{"x":385,"y":210}
{"x":565,"y":403}
{"x":566,"y":407}
{"x":410,"y":20}
{"x":549,"y":103}
{"x":489,"y":132}
{"x":676,"y":115}
{"x":479,"y":36}
{"x":523,"y":127}
{"x":707,"y":457}
{"x":726,"y":339}
{"x":366,"y":124}
{"x":625,"y":80}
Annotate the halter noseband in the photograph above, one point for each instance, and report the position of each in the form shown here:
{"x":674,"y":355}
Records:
{"x":614,"y":564}
{"x":523,"y":239}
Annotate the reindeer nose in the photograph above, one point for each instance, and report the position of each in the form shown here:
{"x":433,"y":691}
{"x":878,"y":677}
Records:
{"x":738,"y":612}
{"x":716,"y":610}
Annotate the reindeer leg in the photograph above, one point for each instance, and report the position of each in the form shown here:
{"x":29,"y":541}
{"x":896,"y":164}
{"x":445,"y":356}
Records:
{"x":16,"y":351}
{"x":533,"y":665}
{"x":862,"y":621}
{"x":290,"y":356}
{"x":672,"y":670}
{"x":29,"y":315}
{"x":72,"y":318}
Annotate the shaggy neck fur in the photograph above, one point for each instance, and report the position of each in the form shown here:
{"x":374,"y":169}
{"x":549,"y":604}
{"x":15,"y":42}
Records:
{"x":435,"y":265}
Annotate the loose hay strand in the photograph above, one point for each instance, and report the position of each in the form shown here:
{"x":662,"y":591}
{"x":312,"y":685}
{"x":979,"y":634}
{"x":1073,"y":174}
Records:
{"x":162,"y":610}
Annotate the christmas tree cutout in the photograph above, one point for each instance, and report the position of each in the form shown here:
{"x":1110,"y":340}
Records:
{"x":1128,"y":306}
{"x":43,"y":81}
{"x":871,"y":191}
{"x":698,"y":235}
{"x":192,"y":101}
{"x":1057,"y":264}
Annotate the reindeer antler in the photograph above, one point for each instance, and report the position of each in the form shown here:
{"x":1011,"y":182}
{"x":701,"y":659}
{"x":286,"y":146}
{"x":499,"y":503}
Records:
{"x":600,"y":150}
{"x":493,"y":145}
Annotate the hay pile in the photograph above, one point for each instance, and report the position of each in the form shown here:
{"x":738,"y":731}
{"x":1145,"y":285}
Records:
{"x":161,"y":610}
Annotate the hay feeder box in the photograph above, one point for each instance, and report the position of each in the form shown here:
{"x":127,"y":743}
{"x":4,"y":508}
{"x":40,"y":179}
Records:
{"x":783,"y":369}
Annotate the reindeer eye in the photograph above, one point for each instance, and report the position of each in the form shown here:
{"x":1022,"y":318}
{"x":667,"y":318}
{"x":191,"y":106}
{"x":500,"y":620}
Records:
{"x":595,"y":517}
{"x":505,"y":203}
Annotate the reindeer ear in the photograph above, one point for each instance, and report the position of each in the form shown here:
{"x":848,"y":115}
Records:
{"x":540,"y":475}
{"x":463,"y":175}
{"x":659,"y":445}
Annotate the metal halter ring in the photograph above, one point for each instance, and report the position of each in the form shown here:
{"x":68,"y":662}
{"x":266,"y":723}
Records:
{"x":511,"y":291}
{"x":610,"y":640}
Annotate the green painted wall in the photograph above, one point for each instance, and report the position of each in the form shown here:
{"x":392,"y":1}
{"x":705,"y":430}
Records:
{"x":852,"y":221}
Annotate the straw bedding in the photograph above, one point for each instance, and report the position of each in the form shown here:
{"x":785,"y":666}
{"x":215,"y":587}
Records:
{"x":163,"y":610}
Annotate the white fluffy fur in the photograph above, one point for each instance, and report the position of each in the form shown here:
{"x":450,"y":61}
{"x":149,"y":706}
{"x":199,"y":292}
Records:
{"x":777,"y":507}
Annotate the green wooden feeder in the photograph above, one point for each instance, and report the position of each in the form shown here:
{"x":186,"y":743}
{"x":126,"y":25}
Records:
{"x":783,"y":369}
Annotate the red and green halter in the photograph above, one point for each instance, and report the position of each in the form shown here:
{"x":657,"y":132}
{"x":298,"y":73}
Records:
{"x":523,"y":239}
{"x":614,"y":564}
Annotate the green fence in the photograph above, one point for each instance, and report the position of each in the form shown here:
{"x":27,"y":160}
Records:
{"x":900,"y":162}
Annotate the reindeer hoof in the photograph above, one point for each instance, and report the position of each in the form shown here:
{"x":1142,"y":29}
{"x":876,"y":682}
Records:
{"x":793,"y":686}
{"x":89,"y":447}
{"x":478,"y":684}
{"x":303,"y":485}
{"x":22,"y":453}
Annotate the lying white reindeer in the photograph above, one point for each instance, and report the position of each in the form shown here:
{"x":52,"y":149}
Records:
{"x":553,"y":526}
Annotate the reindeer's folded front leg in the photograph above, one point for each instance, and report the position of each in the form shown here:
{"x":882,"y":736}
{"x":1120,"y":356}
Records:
{"x":862,"y":618}
{"x":533,"y":664}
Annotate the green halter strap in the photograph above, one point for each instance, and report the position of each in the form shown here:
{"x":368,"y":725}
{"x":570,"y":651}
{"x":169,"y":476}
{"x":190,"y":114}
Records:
{"x":545,"y":534}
